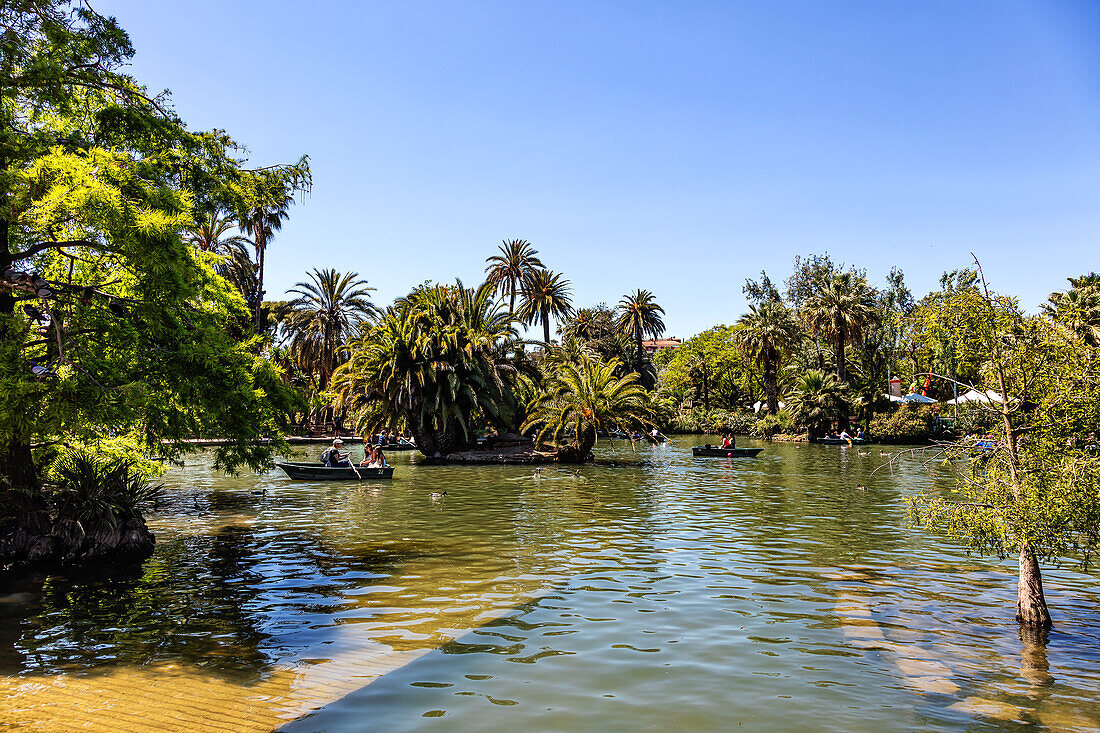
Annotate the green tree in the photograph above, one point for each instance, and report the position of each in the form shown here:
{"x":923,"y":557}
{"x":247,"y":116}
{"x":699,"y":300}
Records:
{"x":545,"y":294}
{"x":639,"y":316}
{"x":939,"y":327}
{"x":765,"y":333}
{"x":1078,"y":309}
{"x":327,"y":310}
{"x":584,"y":397}
{"x":267,"y":210}
{"x":1035,"y":495}
{"x":508,"y":271}
{"x":730,"y":376}
{"x":816,"y":400}
{"x":213,"y":234}
{"x":439,"y":360}
{"x":840,"y":311}
{"x":110,"y":322}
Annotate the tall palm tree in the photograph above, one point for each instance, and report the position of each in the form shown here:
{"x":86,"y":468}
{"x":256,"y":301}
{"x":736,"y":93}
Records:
{"x":211,"y":234}
{"x":585,"y":397}
{"x":262,"y":221}
{"x":816,"y":400}
{"x":328,"y":310}
{"x":766,"y":332}
{"x":640,"y":316}
{"x":840,"y":311}
{"x":546,"y":293}
{"x":509,"y":270}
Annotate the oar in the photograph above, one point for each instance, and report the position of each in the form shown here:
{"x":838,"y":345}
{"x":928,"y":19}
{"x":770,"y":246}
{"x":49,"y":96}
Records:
{"x":353,"y":468}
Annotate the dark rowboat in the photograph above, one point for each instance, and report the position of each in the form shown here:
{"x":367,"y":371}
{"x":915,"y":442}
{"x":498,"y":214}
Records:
{"x":395,"y":446}
{"x":700,"y":451}
{"x":320,"y":472}
{"x":841,"y":441}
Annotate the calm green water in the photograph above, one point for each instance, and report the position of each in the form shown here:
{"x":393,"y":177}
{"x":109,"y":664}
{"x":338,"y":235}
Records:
{"x":648,"y":591}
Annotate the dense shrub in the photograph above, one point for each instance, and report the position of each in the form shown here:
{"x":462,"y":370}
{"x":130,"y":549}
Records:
{"x":904,"y":424}
{"x":713,"y":422}
{"x":97,"y":501}
{"x":771,"y":425}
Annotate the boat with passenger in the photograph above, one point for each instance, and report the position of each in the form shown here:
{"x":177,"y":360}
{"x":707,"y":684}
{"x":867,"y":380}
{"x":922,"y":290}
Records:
{"x":316,"y":471}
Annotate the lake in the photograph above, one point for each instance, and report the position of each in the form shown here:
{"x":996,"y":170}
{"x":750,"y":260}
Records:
{"x":647,"y":591}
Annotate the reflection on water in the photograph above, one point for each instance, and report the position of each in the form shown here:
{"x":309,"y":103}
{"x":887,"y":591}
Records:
{"x":647,"y":591}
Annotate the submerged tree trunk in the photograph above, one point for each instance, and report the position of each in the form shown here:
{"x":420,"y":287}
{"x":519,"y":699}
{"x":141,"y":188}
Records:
{"x":580,"y":449}
{"x":1031,"y":603}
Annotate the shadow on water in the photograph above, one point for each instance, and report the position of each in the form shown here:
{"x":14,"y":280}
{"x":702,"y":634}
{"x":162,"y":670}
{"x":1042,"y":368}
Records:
{"x":212,"y":601}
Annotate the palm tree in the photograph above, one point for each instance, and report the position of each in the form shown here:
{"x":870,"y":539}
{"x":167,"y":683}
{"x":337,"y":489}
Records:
{"x":765,"y":333}
{"x":262,"y":221}
{"x":639,"y":316}
{"x":509,"y":270}
{"x":327,"y":310}
{"x":209,"y":235}
{"x":816,"y":400}
{"x":545,"y":294}
{"x":585,"y":397}
{"x":841,"y":310}
{"x":1078,"y":309}
{"x":438,"y":359}
{"x":582,"y":326}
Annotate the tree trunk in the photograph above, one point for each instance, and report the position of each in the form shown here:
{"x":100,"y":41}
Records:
{"x":512,"y":300}
{"x":841,"y":371}
{"x":24,"y":519}
{"x":580,"y":449}
{"x":261,"y":250}
{"x":546,"y":329}
{"x":1031,"y":604}
{"x":771,"y":386}
{"x":640,"y":356}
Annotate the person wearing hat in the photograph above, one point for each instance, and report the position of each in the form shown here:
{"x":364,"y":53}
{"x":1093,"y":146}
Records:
{"x":333,"y":456}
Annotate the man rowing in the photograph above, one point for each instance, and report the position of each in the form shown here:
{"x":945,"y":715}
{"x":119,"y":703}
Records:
{"x":334,"y":457}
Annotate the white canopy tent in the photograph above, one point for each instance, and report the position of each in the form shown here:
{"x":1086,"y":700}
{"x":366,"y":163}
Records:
{"x":988,"y":397}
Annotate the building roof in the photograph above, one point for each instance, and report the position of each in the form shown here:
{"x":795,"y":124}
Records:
{"x":670,"y":343}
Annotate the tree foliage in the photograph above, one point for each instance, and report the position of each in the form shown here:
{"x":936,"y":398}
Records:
{"x":109,"y":320}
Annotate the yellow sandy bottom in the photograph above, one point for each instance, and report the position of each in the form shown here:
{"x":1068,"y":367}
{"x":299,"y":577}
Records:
{"x":169,"y":698}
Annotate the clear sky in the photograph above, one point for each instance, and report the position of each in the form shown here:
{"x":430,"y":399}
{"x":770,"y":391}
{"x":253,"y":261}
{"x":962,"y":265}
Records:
{"x":674,"y":146}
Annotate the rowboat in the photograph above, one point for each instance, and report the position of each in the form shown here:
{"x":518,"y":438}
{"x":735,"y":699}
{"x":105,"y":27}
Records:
{"x":319,"y":472}
{"x":394,"y":446}
{"x":708,"y":451}
{"x":842,"y":441}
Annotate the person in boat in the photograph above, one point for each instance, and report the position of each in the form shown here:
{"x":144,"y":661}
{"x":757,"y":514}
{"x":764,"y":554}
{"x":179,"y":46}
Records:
{"x":334,"y":457}
{"x":859,"y":434}
{"x":374,"y":459}
{"x":727,"y":441}
{"x":845,"y":435}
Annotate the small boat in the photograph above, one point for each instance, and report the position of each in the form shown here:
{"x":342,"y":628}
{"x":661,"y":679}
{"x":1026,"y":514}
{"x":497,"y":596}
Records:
{"x":841,"y":441}
{"x":712,"y":451}
{"x":320,"y":472}
{"x":394,"y":446}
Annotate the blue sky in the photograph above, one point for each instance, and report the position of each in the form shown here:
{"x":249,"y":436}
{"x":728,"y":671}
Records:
{"x":676,"y":146}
